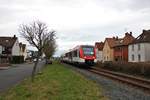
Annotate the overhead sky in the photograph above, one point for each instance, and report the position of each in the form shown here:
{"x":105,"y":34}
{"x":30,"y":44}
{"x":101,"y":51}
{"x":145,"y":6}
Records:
{"x":77,"y":21}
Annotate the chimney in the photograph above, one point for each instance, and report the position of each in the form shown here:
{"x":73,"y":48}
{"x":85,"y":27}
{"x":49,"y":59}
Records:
{"x":126,"y":34}
{"x":131,"y":33}
{"x":116,"y":37}
{"x":14,"y":36}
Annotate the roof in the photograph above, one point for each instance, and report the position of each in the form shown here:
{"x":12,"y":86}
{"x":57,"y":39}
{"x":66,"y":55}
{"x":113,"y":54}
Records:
{"x":115,"y":41}
{"x":99,"y":45}
{"x":111,"y":41}
{"x":143,"y":38}
{"x":8,"y":41}
{"x":126,"y":40}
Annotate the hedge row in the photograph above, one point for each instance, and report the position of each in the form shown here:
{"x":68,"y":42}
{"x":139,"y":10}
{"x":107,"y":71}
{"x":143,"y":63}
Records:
{"x":17,"y":59}
{"x":126,"y":67}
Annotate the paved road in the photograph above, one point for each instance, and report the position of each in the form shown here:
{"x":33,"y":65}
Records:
{"x":12,"y":76}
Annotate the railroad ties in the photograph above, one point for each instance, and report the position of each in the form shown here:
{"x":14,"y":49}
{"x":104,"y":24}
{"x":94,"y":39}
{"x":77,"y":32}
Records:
{"x":128,"y":79}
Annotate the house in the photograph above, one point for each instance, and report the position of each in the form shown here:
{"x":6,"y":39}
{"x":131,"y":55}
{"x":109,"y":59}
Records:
{"x":108,"y":49}
{"x":23,"y":50}
{"x":139,"y":49}
{"x":9,"y":47}
{"x":99,"y":51}
{"x":121,"y":47}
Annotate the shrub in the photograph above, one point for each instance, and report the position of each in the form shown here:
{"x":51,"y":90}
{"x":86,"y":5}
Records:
{"x":128,"y":67}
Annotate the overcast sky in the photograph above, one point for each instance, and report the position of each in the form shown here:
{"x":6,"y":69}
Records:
{"x":77,"y":21}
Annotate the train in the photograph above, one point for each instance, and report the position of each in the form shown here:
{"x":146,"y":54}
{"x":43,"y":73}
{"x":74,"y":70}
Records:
{"x":82,"y":54}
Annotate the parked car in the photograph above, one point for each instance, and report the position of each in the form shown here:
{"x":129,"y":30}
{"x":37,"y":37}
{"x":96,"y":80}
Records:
{"x":36,"y":59}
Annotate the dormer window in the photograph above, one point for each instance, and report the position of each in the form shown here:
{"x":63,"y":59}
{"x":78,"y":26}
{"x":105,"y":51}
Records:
{"x":7,"y":41}
{"x":144,"y":37}
{"x":121,"y":41}
{"x":138,"y":38}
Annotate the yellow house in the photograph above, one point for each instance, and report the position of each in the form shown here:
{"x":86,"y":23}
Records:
{"x":108,"y":49}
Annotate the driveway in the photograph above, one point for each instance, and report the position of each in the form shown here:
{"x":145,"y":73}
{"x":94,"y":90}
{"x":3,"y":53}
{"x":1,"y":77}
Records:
{"x":15,"y":74}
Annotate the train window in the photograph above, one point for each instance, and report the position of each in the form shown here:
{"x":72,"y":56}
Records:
{"x":66,"y":55}
{"x":75,"y":53}
{"x":88,"y":50}
{"x":70,"y":54}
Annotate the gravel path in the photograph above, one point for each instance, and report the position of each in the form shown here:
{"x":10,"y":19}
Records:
{"x":112,"y":89}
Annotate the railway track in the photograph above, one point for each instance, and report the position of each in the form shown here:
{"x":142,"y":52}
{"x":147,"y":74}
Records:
{"x":128,"y":79}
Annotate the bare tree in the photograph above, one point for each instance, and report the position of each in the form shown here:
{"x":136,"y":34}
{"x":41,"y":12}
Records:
{"x":50,"y":47}
{"x":37,"y":34}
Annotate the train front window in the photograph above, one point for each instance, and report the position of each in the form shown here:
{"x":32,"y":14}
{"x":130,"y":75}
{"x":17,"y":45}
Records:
{"x":88,"y":51}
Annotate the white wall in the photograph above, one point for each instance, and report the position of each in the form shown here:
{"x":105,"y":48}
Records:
{"x":16,"y":49}
{"x":99,"y":55}
{"x":136,"y":52}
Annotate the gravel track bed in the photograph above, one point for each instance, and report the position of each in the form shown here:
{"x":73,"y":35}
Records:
{"x":112,"y":89}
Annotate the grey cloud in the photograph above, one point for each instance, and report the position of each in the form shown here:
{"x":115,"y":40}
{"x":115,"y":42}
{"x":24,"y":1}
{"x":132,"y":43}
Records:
{"x":13,"y":13}
{"x":122,"y":5}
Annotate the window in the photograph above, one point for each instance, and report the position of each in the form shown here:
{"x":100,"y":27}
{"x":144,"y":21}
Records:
{"x":132,"y":57}
{"x":3,"y":48}
{"x":139,"y":57}
{"x":75,"y":53}
{"x":88,"y":51}
{"x":132,"y":47}
{"x":139,"y":46}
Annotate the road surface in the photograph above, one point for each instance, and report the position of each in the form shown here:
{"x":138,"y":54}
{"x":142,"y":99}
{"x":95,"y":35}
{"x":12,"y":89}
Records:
{"x":15,"y":74}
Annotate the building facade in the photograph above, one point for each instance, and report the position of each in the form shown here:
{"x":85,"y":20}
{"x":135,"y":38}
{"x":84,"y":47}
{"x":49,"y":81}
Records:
{"x":139,"y":49}
{"x":23,"y":50}
{"x":121,"y":47}
{"x":99,"y":51}
{"x":108,"y":49}
{"x":9,"y":47}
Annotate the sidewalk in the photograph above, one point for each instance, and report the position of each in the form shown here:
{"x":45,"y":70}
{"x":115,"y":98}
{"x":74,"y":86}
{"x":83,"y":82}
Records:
{"x":4,"y":66}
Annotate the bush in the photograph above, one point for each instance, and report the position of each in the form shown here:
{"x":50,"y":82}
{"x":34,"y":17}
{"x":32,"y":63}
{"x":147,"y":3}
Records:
{"x":17,"y":59}
{"x":128,"y":67}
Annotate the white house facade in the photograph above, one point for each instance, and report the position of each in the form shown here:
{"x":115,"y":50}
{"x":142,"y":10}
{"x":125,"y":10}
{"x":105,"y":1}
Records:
{"x":99,"y":51}
{"x":9,"y":48}
{"x":99,"y":55}
{"x":139,"y":50}
{"x":16,"y":49}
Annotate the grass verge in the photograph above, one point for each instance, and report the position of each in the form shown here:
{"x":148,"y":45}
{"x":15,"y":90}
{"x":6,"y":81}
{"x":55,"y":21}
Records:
{"x":55,"y":83}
